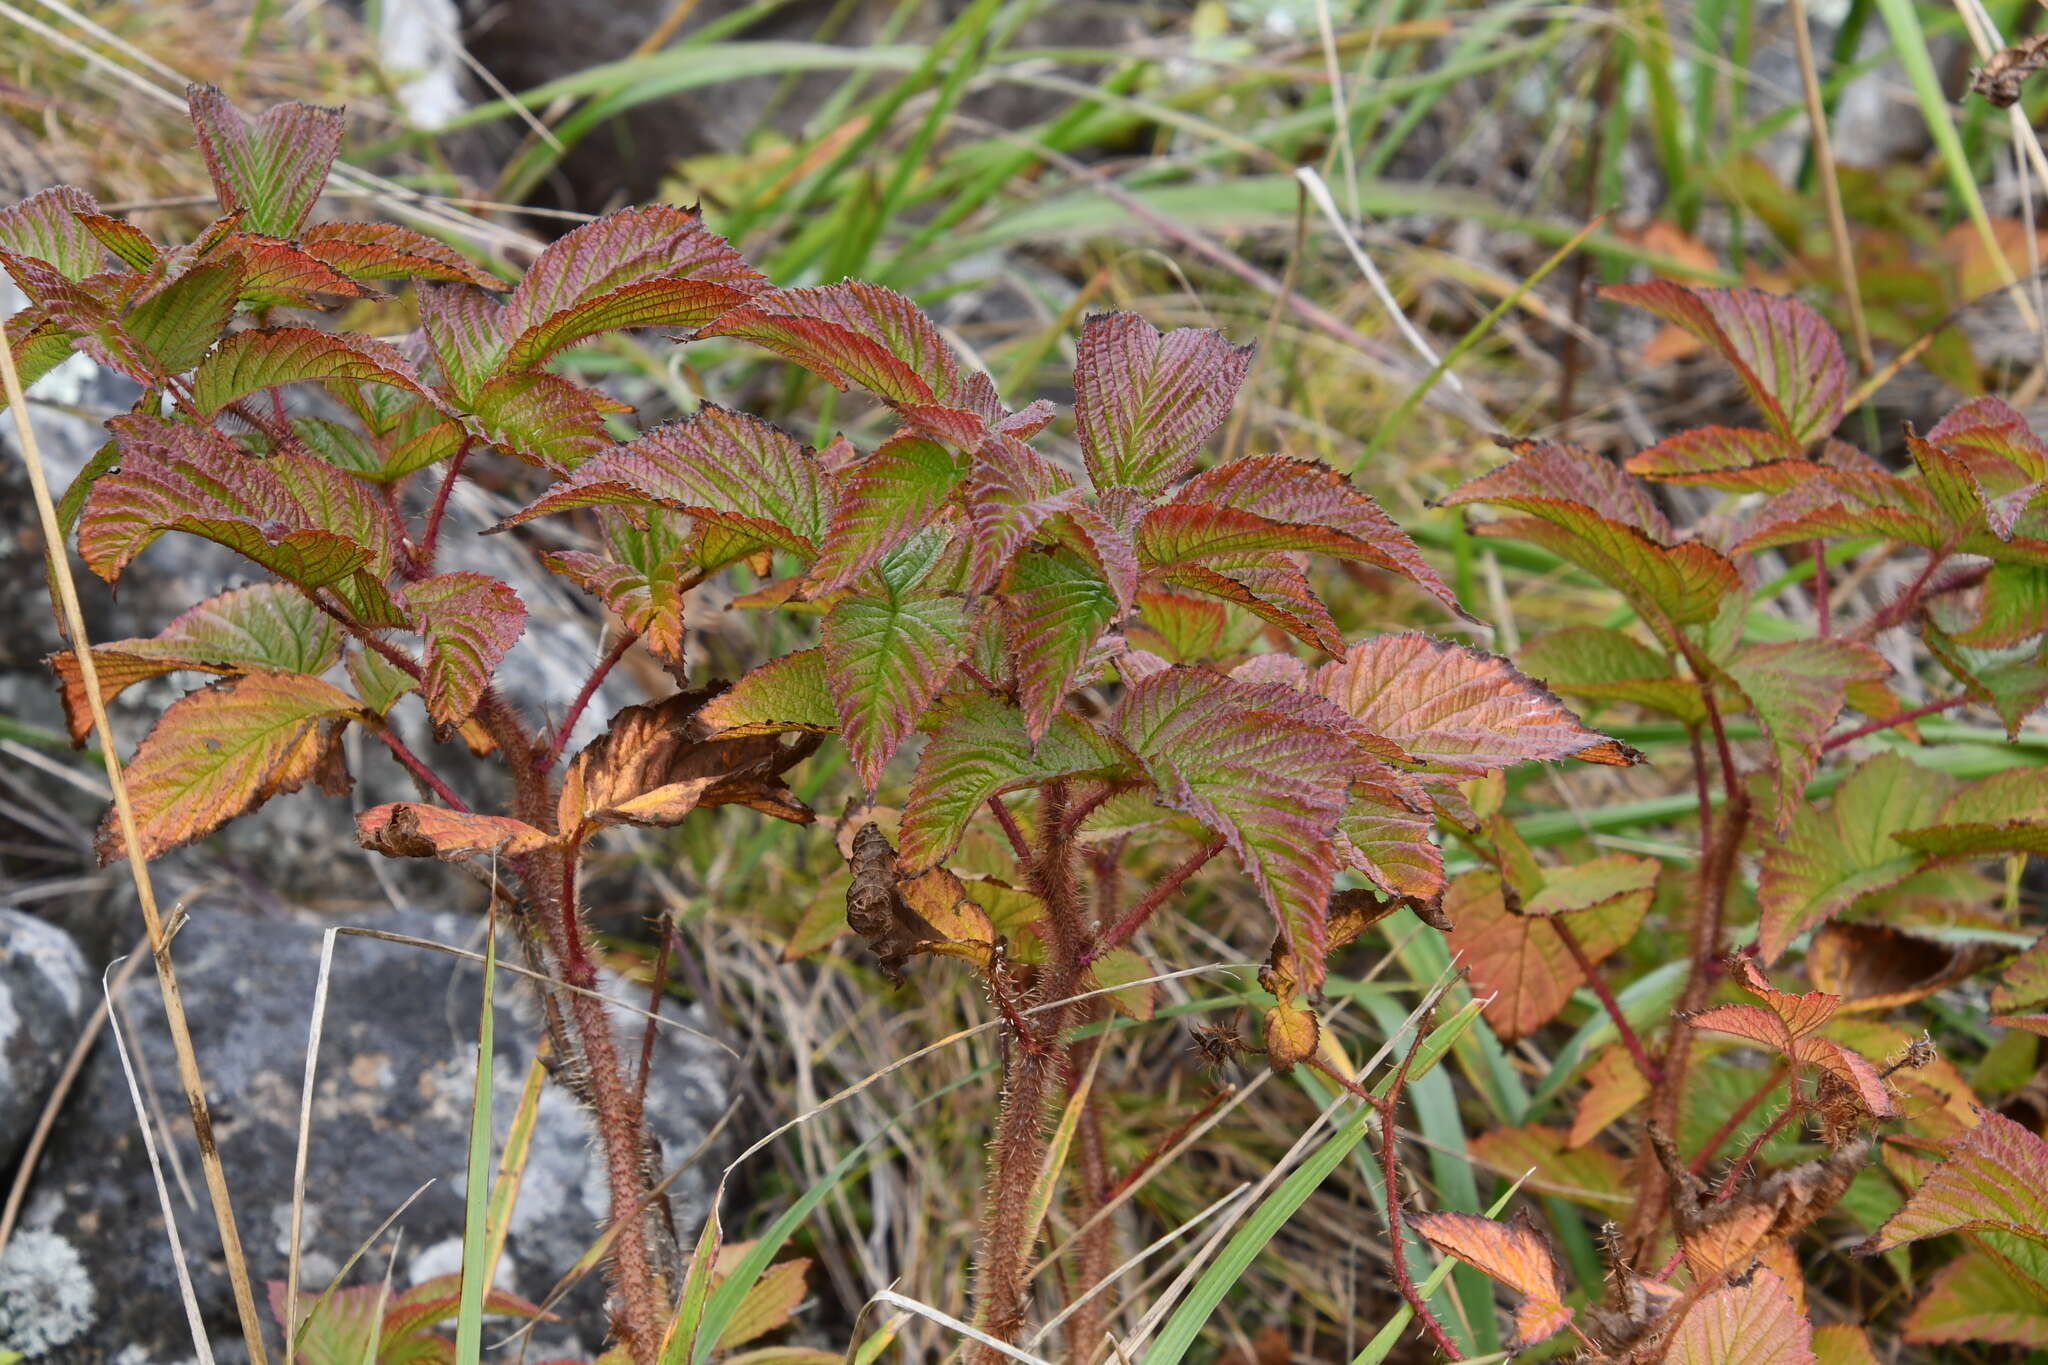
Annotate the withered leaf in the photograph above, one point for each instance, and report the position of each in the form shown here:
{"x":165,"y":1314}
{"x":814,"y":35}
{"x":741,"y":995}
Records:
{"x":656,"y":763}
{"x":1875,"y":967}
{"x":901,"y":917}
{"x":1998,"y":80}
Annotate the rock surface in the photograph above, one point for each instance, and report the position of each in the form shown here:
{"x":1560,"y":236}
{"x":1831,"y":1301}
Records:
{"x":391,"y":1113}
{"x":46,"y":992}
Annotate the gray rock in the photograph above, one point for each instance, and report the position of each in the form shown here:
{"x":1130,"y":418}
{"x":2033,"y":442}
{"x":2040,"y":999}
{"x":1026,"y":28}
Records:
{"x":46,"y":992}
{"x":391,"y":1112}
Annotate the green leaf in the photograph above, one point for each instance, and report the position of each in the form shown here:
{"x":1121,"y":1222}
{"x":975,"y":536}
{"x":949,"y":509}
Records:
{"x":882,"y":500}
{"x":272,"y":172}
{"x":790,"y":693}
{"x":979,"y":749}
{"x":541,"y":418}
{"x":222,"y":751}
{"x":1388,"y":823}
{"x":1993,"y":1176}
{"x":851,"y":333}
{"x":1797,"y":689}
{"x":45,"y":226}
{"x":1055,"y":609}
{"x":2004,"y":813}
{"x":887,"y":655}
{"x":1735,"y":459}
{"x":1144,"y":403}
{"x":468,"y":621}
{"x":178,"y":323}
{"x":266,"y":628}
{"x":642,"y":582}
{"x":1252,"y":764}
{"x":1978,"y":1297}
{"x":1609,"y":665}
{"x":2013,"y":682}
{"x":262,"y":358}
{"x":1831,"y":856}
{"x":465,"y":328}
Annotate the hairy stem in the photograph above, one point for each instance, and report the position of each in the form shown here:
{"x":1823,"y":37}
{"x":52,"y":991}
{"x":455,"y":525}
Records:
{"x":419,"y":769}
{"x":1735,"y":1120}
{"x":1389,"y":1109}
{"x":1093,"y":1244}
{"x":1591,"y":970}
{"x":430,"y":540}
{"x":567,"y":726}
{"x":1120,"y":932}
{"x":1903,"y":718}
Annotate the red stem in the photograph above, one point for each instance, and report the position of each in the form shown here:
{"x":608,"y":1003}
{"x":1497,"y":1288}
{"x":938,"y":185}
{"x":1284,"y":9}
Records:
{"x":655,"y":991}
{"x":1122,"y":930}
{"x":1903,"y":718}
{"x":577,"y":967}
{"x":1756,"y":1145}
{"x":1591,"y":970}
{"x":1736,"y":1120}
{"x":418,"y":769}
{"x":440,"y":509}
{"x":1390,"y":1175}
{"x":1018,"y":843}
{"x":576,"y":707}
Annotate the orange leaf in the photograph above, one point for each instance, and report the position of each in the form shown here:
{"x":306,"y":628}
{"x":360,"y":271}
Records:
{"x":1517,"y":1254}
{"x":405,"y":829}
{"x":1753,"y":1324}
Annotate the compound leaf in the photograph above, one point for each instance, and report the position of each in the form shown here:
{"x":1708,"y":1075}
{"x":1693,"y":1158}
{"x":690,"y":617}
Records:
{"x":271,"y":172}
{"x":468,"y":621}
{"x":1144,"y":403}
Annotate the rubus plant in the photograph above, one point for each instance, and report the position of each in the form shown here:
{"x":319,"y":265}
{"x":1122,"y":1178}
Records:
{"x":1065,"y":635}
{"x":1049,"y":633}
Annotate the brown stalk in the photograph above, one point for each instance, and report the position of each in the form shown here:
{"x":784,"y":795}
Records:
{"x":138,"y":865}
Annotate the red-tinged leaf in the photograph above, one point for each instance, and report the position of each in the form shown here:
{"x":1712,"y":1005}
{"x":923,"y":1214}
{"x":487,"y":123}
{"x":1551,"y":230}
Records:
{"x":1784,"y":353}
{"x":2013,"y":682}
{"x":1055,"y":609}
{"x":851,"y":333}
{"x":246,"y":362}
{"x":2024,"y":983}
{"x":1614,"y":1086}
{"x":130,"y":244}
{"x":299,"y":517}
{"x":1980,"y":1297}
{"x":722,"y":467}
{"x":1832,"y":856}
{"x":1944,"y":512}
{"x":1144,"y":403}
{"x":1011,"y":492}
{"x":36,"y":352}
{"x":1852,"y":1071}
{"x":2004,"y":813}
{"x":1458,"y":709}
{"x":1546,"y":474}
{"x":789,"y":693}
{"x":386,"y":251}
{"x":272,"y":171}
{"x":224,"y":750}
{"x":1181,"y":533}
{"x":1734,"y":459}
{"x":645,"y":303}
{"x":466,"y":329}
{"x":267,"y":628}
{"x":1993,"y":1176}
{"x":617,"y":251}
{"x":883,"y":500}
{"x":1797,"y":689}
{"x":1591,"y":1177}
{"x":1182,"y":628}
{"x":46,"y":226}
{"x":1517,"y":1254}
{"x":1305,"y":493}
{"x":177,"y":324}
{"x":1250,"y":763}
{"x":2012,"y":608}
{"x":1275,"y":591}
{"x":1758,"y":1323}
{"x":1779,"y":1023}
{"x":642,"y":581}
{"x":277,"y":272}
{"x":540,"y":417}
{"x":979,"y":748}
{"x":1669,"y":586}
{"x":654,"y":764}
{"x":406,"y":829}
{"x":1385,"y":832}
{"x":888,"y":655}
{"x":467,"y":621}
{"x":1991,"y":426}
{"x":1521,"y":960}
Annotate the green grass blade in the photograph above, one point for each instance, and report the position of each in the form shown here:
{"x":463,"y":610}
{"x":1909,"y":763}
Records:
{"x":476,"y":1221}
{"x":1384,"y":1340}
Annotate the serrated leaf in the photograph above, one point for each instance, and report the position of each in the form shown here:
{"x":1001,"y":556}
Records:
{"x":378,"y":682}
{"x":1011,"y":493}
{"x":1614,"y":1086}
{"x":2013,"y":682}
{"x":1303,"y":493}
{"x":1458,"y":709}
{"x":1182,"y":628}
{"x":1757,"y":1323}
{"x":790,"y":693}
{"x":1275,"y":590}
{"x":2004,"y":813}
{"x":1544,"y":474}
{"x":1251,"y":765}
{"x":1387,"y":826}
{"x":406,"y":829}
{"x":386,"y":251}
{"x":130,"y":244}
{"x":887,"y":655}
{"x":1520,"y":959}
{"x":851,"y":333}
{"x":726,"y":468}
{"x":979,"y":749}
{"x":642,"y":583}
{"x":1734,"y":459}
{"x":45,"y":226}
{"x":1144,"y":403}
{"x":222,"y":751}
{"x":882,"y":500}
{"x":467,"y":332}
{"x":1788,"y":358}
{"x":656,"y":763}
{"x":1993,"y":1176}
{"x":279,"y":273}
{"x":1608,"y":665}
{"x":273,"y":171}
{"x":266,"y":628}
{"x":467,"y":622}
{"x":1797,"y":689}
{"x":299,"y":517}
{"x":1979,"y":1297}
{"x":1055,"y":608}
{"x":541,"y":418}
{"x":1517,"y":1254}
{"x":2024,"y":984}
{"x":178,"y":323}
{"x":1831,"y":856}
{"x":1944,"y":511}
{"x":246,"y":362}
